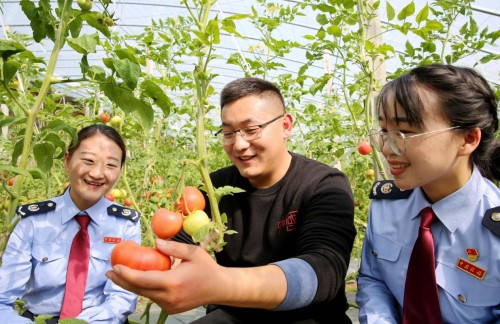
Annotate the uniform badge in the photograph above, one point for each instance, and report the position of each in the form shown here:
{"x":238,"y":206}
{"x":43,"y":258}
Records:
{"x":472,"y":254}
{"x":471,"y":269}
{"x":112,"y":240}
{"x":41,"y":207}
{"x":491,"y":220}
{"x":386,"y":189}
{"x":120,"y":211}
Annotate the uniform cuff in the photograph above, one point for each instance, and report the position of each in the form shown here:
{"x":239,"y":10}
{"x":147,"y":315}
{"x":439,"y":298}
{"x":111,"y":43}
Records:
{"x":302,"y":283}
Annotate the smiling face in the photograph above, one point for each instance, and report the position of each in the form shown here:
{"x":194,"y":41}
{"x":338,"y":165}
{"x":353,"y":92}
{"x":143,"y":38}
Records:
{"x":93,"y":168}
{"x":263,"y":161}
{"x":437,"y":162}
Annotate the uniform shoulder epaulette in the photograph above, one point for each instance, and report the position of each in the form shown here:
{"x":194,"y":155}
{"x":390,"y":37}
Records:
{"x":36,"y":208}
{"x":386,"y":189}
{"x":491,"y":220}
{"x":120,"y":211}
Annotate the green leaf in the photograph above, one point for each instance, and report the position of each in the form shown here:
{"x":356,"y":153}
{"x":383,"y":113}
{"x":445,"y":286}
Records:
{"x":322,"y":19}
{"x":44,"y":155}
{"x":9,"y":48}
{"x":126,"y":100}
{"x":9,"y":70}
{"x":334,"y":30}
{"x":91,"y":19}
{"x":423,"y":14}
{"x":389,"y":9}
{"x":75,"y":25}
{"x":17,"y":151}
{"x":59,"y":125}
{"x":213,"y":30}
{"x":433,"y":25}
{"x":15,"y":170}
{"x":153,"y":91}
{"x":407,"y":11}
{"x":409,"y":49}
{"x":56,"y":141}
{"x":128,"y":71}
{"x":40,"y":175}
{"x":85,"y":44}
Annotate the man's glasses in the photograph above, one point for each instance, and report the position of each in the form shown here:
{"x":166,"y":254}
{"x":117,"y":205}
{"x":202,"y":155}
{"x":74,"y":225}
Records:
{"x":250,"y":133}
{"x":396,"y":139}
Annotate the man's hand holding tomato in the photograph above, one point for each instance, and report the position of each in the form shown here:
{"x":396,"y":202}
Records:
{"x":198,"y":280}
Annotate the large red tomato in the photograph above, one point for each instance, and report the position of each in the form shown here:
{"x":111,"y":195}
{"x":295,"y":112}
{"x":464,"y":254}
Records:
{"x":191,"y":200}
{"x":166,"y":223}
{"x":139,"y":257}
{"x":364,"y":147}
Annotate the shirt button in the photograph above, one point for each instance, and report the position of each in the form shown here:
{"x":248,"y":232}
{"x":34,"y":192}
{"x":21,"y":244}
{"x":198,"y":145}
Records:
{"x":374,"y":253}
{"x":45,"y":259}
{"x":462,"y":298}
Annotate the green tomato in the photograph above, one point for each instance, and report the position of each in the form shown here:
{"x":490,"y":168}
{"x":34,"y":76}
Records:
{"x":195,"y":221}
{"x":85,"y":4}
{"x":115,"y":121}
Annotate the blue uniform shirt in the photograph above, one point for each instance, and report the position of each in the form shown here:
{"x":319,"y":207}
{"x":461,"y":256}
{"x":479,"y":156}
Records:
{"x":469,"y":289}
{"x":36,"y":258}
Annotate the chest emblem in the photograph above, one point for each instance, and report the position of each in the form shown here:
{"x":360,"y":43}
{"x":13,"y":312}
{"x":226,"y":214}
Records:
{"x":471,"y":269}
{"x":289,"y":222}
{"x":472,"y":254}
{"x":112,"y":240}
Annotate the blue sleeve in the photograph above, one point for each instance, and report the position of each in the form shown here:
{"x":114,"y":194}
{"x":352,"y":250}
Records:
{"x":375,"y":301}
{"x":302,"y":284}
{"x":15,"y":273}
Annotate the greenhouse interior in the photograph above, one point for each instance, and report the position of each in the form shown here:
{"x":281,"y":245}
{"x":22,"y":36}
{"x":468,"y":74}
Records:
{"x":154,"y":71}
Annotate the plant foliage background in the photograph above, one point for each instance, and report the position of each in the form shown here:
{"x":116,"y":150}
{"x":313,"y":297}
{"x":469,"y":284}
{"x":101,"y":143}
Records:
{"x":162,"y":83}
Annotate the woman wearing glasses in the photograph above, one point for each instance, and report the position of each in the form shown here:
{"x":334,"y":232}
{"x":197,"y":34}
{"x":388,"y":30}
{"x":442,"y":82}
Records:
{"x":437,"y":264}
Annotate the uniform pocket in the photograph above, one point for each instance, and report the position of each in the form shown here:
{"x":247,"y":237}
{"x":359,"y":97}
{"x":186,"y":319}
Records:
{"x":385,"y":249}
{"x":466,"y":289}
{"x":50,"y":262}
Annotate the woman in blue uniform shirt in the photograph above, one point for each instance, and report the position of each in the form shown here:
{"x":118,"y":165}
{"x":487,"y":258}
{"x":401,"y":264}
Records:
{"x":437,"y":133}
{"x":36,"y":257}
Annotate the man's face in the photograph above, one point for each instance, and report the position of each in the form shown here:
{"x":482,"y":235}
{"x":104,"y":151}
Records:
{"x":264,"y":161}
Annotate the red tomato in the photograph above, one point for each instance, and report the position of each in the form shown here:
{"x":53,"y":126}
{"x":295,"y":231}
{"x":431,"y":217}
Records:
{"x":127,"y":202}
{"x":153,"y":179}
{"x":109,"y":197}
{"x":139,"y":257}
{"x":191,"y":200}
{"x":10,"y":182}
{"x":104,"y":117}
{"x":166,"y":223}
{"x":364,"y":147}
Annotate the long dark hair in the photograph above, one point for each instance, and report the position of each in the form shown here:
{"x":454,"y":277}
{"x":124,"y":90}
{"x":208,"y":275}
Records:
{"x":465,"y":98}
{"x":105,"y":130}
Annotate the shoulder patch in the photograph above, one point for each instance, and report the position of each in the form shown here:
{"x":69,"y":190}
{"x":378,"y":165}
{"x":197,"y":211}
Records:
{"x":386,"y":189}
{"x":36,"y":208}
{"x":120,"y":211}
{"x":491,"y":220}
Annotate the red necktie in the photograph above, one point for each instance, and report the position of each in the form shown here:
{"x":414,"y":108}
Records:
{"x":421,"y":302}
{"x":78,"y":266}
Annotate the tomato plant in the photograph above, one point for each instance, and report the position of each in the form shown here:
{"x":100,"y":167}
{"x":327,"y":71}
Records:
{"x":166,"y":223}
{"x":195,"y":221}
{"x":104,"y":117}
{"x":364,"y":147}
{"x":139,"y":257}
{"x":191,"y":200}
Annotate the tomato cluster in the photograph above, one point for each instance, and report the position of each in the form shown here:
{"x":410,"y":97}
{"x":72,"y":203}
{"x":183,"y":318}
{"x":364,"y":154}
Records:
{"x":188,"y":215}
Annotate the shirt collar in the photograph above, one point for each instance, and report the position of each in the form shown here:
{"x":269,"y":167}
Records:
{"x":94,"y":212}
{"x":463,"y":200}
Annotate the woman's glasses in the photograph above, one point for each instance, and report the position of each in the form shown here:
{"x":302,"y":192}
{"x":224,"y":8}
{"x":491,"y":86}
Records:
{"x":396,"y":139}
